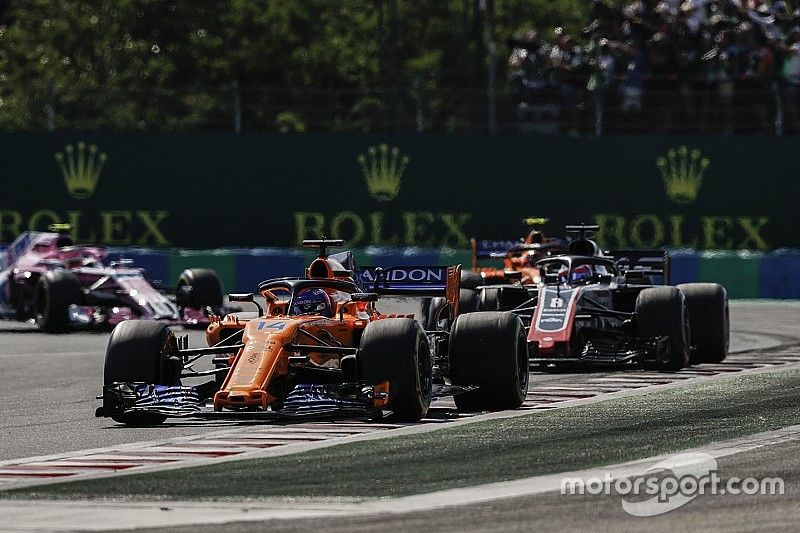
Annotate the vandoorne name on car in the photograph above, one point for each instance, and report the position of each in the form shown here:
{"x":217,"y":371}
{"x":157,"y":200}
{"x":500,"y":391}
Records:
{"x":414,"y":274}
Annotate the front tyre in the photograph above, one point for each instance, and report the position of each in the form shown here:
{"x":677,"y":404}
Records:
{"x":55,"y":292}
{"x":199,"y":288}
{"x":709,"y":320}
{"x":662,"y":311}
{"x":396,"y":350}
{"x":489,"y":349}
{"x":141,"y":351}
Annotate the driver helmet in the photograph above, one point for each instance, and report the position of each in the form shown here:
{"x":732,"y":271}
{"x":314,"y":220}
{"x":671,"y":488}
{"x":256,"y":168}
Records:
{"x":582,"y":274}
{"x":314,"y":301}
{"x":64,"y":240}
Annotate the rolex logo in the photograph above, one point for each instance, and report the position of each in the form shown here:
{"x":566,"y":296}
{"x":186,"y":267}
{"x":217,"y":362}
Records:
{"x":383,"y":170}
{"x":81,"y":167}
{"x":682,"y":171}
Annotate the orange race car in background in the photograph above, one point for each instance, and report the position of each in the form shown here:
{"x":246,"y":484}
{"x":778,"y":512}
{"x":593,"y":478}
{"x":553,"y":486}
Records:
{"x":517,"y":256}
{"x":519,"y":267}
{"x":321,"y":347}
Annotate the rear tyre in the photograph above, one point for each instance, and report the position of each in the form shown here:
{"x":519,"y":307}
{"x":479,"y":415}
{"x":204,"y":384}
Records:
{"x":709,"y":321}
{"x":502,"y":298}
{"x":396,"y":349}
{"x":432,"y":314}
{"x":489,"y":349}
{"x":141,"y":351}
{"x":199,"y":288}
{"x":55,"y":292}
{"x":468,"y":301}
{"x":470,"y":279}
{"x":662,"y":311}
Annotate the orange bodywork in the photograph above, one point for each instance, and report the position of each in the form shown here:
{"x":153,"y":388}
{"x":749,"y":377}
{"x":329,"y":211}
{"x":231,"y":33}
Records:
{"x":519,"y":260}
{"x":268,"y":340}
{"x":265,"y":356}
{"x":497,"y":276}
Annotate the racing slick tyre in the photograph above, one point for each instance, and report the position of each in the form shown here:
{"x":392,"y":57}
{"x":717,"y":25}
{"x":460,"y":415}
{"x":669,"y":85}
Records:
{"x":470,"y":279}
{"x":55,"y":292}
{"x":502,"y":298}
{"x":709,"y":321}
{"x":397,"y":350}
{"x":662,"y":311}
{"x":434,"y":308}
{"x":199,"y":288}
{"x":468,"y":301}
{"x":489,"y":349}
{"x":141,"y":351}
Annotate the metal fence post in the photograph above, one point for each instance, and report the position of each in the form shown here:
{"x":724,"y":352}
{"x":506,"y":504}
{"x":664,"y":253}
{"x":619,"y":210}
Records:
{"x":237,"y":107}
{"x":776,"y":88}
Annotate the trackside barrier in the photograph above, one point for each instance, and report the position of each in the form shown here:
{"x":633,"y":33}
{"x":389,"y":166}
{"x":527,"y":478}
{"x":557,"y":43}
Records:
{"x":223,"y":261}
{"x":739,"y":272}
{"x":684,"y":266}
{"x":254,"y":266}
{"x":155,"y":262}
{"x":780,"y":275}
{"x":746,"y":274}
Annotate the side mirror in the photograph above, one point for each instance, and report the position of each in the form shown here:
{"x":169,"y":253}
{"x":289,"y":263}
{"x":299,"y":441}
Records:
{"x":364,"y":297}
{"x":246,"y":297}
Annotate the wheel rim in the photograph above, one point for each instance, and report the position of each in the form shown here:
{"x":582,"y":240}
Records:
{"x":40,"y":304}
{"x":424,"y":372}
{"x":687,"y":333}
{"x":522,"y":364}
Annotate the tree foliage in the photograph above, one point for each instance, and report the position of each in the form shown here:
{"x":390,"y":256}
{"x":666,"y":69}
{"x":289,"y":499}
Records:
{"x":287,"y":65}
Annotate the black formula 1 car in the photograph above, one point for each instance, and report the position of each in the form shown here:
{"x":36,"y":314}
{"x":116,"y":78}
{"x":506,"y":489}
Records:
{"x":614,"y":308}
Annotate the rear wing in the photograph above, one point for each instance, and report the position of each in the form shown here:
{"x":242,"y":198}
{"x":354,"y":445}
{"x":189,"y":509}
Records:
{"x":413,"y":281}
{"x":488,"y":249}
{"x":484,"y":249}
{"x":635,"y":263}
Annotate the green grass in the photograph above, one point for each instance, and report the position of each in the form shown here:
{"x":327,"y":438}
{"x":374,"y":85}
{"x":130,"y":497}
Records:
{"x":544,"y":442}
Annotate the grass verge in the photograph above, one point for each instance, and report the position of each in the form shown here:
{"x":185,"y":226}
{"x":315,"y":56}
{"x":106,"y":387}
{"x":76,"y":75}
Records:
{"x":545,"y":442}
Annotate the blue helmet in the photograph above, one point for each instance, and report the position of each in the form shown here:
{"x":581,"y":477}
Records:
{"x":314,"y":301}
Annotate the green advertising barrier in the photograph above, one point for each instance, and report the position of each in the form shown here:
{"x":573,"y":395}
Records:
{"x":745,"y":274}
{"x":740,"y":272}
{"x":450,"y":256}
{"x":217,"y":190}
{"x":221,"y":261}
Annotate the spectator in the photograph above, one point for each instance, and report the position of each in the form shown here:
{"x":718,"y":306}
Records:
{"x":789,"y":82}
{"x":722,"y":65}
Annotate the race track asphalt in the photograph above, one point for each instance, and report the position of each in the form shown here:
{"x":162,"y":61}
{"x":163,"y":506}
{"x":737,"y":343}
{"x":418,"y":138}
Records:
{"x":48,"y":383}
{"x":556,"y":512}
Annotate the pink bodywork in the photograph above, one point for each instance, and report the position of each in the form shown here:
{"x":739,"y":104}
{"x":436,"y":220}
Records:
{"x":35,"y":253}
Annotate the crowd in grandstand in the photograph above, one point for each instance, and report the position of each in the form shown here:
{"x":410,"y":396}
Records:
{"x":730,"y":66}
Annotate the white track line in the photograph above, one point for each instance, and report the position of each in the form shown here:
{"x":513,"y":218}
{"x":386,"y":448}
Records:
{"x":182,"y":452}
{"x":45,"y":515}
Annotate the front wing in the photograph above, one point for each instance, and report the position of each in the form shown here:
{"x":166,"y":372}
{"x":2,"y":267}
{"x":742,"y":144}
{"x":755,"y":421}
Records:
{"x":350,"y":400}
{"x":611,"y":349}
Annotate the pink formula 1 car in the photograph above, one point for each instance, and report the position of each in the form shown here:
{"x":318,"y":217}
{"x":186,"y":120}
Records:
{"x":46,"y":278}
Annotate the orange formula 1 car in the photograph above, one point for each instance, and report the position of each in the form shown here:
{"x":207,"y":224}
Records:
{"x":321,"y":348}
{"x":519,"y":268}
{"x":518,"y":257}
